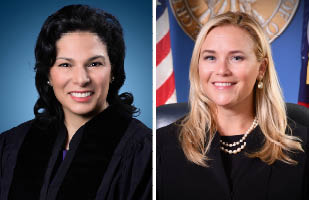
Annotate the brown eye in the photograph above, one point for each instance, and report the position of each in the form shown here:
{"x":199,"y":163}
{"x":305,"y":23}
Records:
{"x":64,"y":65}
{"x":95,"y":64}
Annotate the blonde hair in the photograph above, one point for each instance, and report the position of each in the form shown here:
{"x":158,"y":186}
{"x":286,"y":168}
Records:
{"x":199,"y":127}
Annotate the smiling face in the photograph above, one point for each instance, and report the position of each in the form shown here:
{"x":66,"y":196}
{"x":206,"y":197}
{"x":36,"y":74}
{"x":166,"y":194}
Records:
{"x":228,"y":67}
{"x":81,"y":75}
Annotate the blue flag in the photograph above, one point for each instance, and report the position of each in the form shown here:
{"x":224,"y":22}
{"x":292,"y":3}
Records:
{"x":303,"y":97}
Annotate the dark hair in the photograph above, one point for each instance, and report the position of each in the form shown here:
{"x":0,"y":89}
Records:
{"x":70,"y":19}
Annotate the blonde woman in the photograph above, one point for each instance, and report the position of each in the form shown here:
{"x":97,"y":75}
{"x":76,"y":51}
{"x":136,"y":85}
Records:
{"x":237,"y":142}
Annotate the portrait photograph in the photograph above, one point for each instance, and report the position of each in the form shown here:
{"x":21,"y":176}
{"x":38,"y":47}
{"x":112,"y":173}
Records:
{"x":77,"y":116}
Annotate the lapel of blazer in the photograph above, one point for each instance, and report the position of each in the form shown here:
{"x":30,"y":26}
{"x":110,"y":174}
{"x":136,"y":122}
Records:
{"x":254,"y":182}
{"x":217,"y":168}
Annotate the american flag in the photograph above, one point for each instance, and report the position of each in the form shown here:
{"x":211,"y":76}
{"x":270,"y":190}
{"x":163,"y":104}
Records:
{"x":165,"y":83}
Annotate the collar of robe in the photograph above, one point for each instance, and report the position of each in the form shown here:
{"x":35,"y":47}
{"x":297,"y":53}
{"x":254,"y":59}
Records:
{"x":40,"y":172}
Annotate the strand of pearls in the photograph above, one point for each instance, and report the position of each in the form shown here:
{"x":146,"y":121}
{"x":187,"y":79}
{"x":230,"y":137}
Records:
{"x":241,"y":142}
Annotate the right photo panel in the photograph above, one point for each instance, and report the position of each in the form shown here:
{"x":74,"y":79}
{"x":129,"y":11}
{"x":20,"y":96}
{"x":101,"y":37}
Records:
{"x":232,"y":99}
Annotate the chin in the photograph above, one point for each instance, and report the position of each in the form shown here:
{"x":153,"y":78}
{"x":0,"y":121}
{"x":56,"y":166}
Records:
{"x":222,"y":104}
{"x":221,"y":101}
{"x":83,"y":111}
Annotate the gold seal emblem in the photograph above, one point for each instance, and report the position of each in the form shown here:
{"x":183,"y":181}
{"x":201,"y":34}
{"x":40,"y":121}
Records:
{"x":273,"y":15}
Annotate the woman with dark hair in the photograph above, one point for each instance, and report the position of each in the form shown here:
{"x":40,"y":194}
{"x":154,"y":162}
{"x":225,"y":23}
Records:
{"x":84,"y":142}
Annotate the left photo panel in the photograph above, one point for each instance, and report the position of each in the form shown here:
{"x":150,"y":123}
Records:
{"x":76,"y":117}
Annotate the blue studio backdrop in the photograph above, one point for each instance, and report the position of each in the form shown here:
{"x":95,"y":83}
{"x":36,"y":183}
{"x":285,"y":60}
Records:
{"x":20,"y":24}
{"x":286,"y":51}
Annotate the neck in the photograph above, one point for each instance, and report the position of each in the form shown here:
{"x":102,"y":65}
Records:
{"x":73,"y":123}
{"x":234,"y":121}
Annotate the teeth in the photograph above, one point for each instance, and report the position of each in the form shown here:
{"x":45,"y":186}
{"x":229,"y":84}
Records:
{"x":84,"y":94}
{"x":223,"y":84}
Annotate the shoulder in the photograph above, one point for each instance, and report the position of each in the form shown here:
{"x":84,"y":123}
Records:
{"x":20,"y":127}
{"x":16,"y":132}
{"x":135,"y":147}
{"x":298,"y":121}
{"x":137,"y":138}
{"x":133,"y":160}
{"x":168,"y":136}
{"x":298,"y":113}
{"x":138,"y":131}
{"x":11,"y":140}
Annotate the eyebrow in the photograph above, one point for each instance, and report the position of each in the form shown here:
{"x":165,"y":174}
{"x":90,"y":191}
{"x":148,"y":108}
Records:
{"x":236,"y":51}
{"x":96,"y":57}
{"x":88,"y":60}
{"x":208,"y":51}
{"x":212,"y":51}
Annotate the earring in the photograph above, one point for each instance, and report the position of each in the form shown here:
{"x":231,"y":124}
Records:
{"x":48,"y":83}
{"x":113,"y":78}
{"x":260,"y":84}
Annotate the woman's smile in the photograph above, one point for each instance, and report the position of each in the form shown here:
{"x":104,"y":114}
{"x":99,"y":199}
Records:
{"x":80,"y":96}
{"x":223,"y":85}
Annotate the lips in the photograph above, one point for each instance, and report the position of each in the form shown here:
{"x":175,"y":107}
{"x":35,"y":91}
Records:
{"x":81,"y":96}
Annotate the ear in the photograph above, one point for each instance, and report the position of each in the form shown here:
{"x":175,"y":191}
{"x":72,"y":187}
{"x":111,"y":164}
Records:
{"x":112,"y":78}
{"x":262,"y":68}
{"x":48,"y":75}
{"x":49,"y":83}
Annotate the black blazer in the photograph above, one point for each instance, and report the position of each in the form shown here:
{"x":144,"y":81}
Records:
{"x":177,"y":178}
{"x":109,"y":158}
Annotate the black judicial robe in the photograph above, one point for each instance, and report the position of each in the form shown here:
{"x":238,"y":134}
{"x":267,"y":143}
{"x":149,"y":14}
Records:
{"x":177,"y":178}
{"x":109,"y":158}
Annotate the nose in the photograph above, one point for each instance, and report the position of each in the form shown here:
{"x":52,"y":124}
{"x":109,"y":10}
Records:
{"x":81,"y":76}
{"x":222,"y":68}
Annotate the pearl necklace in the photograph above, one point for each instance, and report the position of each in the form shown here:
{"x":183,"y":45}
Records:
{"x":241,"y":142}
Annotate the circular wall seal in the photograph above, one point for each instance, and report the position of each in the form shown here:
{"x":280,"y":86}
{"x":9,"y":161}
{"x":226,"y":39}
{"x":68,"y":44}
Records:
{"x":273,"y":15}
